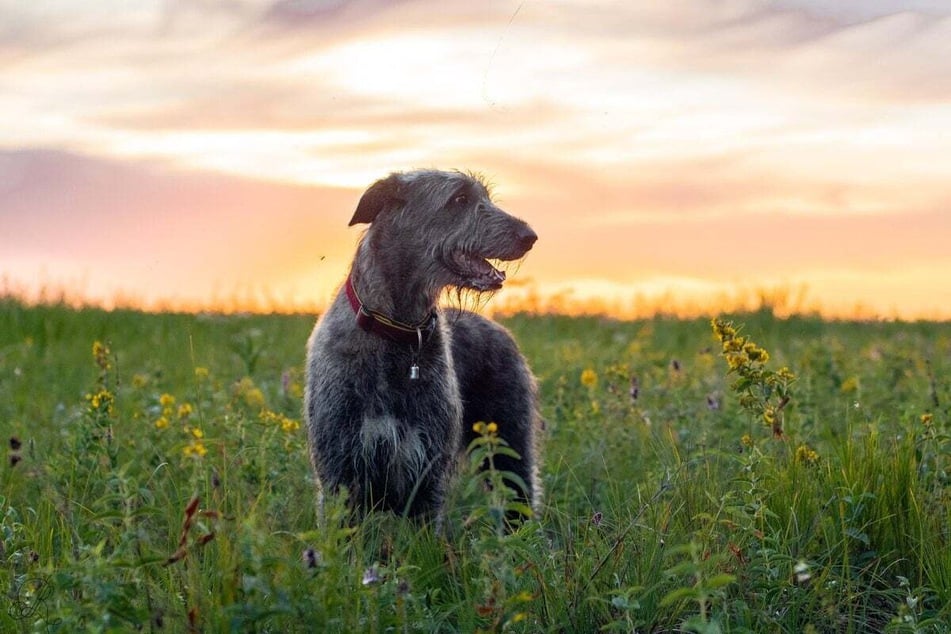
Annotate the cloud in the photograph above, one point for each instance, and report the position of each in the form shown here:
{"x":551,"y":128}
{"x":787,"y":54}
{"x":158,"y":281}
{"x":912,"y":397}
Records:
{"x":310,"y":14}
{"x":166,"y":233}
{"x":898,"y":58}
{"x":630,"y":83}
{"x":855,"y":12}
{"x":884,"y":50}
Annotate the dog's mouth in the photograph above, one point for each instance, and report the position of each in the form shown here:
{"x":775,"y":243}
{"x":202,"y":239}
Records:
{"x":476,"y":272}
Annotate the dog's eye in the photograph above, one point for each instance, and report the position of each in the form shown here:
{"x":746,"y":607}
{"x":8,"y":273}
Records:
{"x":461,"y":199}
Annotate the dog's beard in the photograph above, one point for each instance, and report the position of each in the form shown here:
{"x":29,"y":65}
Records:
{"x":466,"y":298}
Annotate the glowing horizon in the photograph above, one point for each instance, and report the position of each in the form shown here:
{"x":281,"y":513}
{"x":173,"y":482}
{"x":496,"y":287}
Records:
{"x":685,"y":154}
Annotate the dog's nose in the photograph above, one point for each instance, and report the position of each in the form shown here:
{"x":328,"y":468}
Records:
{"x":527,"y":237}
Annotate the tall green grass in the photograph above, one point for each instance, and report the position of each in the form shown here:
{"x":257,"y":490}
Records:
{"x":163,"y":485}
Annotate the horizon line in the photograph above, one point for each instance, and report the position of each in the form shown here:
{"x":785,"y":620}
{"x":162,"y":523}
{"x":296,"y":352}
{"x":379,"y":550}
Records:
{"x":775,"y":300}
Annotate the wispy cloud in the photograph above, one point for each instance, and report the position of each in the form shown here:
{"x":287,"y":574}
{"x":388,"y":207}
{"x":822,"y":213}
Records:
{"x":157,"y":233}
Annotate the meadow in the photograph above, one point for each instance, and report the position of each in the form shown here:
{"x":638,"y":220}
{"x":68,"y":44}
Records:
{"x":755,"y":475}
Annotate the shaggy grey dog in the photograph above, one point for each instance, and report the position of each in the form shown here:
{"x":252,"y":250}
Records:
{"x":394,"y":382}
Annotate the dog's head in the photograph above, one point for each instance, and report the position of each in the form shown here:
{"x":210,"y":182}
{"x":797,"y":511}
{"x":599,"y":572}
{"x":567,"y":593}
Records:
{"x":446,"y":222}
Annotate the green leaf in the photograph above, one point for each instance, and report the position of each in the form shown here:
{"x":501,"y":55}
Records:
{"x":685,"y":568}
{"x":503,"y":450}
{"x":698,"y":625}
{"x":741,"y":384}
{"x":514,"y":479}
{"x":521,"y":508}
{"x":718,"y":581}
{"x":680,"y":594}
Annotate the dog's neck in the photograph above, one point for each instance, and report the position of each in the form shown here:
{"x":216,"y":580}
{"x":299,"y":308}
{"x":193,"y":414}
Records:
{"x":414,"y":334}
{"x":392,"y":293}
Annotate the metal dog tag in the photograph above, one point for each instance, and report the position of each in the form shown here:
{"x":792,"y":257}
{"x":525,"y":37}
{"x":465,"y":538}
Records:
{"x":414,"y":369}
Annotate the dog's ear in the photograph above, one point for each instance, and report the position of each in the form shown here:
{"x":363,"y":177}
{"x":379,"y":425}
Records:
{"x":375,"y":199}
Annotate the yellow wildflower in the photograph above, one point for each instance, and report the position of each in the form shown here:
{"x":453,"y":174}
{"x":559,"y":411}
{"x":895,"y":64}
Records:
{"x":100,"y":352}
{"x":139,"y":381}
{"x":735,"y":361}
{"x":194,"y":450}
{"x":254,"y":397}
{"x":769,"y":414}
{"x":755,"y":353}
{"x":524,"y":596}
{"x":849,"y":385}
{"x":288,"y":425}
{"x":197,"y":432}
{"x":746,"y":440}
{"x":201,"y":373}
{"x":927,"y":419}
{"x":161,"y":423}
{"x":806,"y":455}
{"x":491,"y":428}
{"x":589,"y":378}
{"x":184,"y":410}
{"x":250,"y":393}
{"x":166,"y":400}
{"x":101,"y":401}
{"x":734,"y":345}
{"x":723,"y":329}
{"x":479,"y":427}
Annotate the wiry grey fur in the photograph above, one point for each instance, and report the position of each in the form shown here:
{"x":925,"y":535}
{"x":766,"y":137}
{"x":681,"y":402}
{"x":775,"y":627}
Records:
{"x":392,"y":441}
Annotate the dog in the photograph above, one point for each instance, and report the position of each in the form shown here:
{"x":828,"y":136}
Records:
{"x":394,"y":382}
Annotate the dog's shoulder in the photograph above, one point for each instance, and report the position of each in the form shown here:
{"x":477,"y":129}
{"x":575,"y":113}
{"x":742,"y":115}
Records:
{"x":468,"y":327}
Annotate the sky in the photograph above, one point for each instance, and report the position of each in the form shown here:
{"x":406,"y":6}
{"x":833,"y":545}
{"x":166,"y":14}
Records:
{"x":684,"y":156}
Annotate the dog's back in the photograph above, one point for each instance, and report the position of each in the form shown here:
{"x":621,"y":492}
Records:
{"x":496,"y":386}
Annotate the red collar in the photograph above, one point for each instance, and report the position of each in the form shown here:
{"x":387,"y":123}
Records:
{"x":380,"y":324}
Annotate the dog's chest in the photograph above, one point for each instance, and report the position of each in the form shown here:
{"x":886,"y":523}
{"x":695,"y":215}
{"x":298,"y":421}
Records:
{"x":429,"y":401}
{"x":410,"y":422}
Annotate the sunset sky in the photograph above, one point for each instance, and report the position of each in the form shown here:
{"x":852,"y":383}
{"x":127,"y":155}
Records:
{"x":683,"y":154}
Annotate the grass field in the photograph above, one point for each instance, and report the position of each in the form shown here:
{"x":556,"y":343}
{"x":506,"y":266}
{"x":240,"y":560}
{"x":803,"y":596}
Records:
{"x":156,"y":479}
